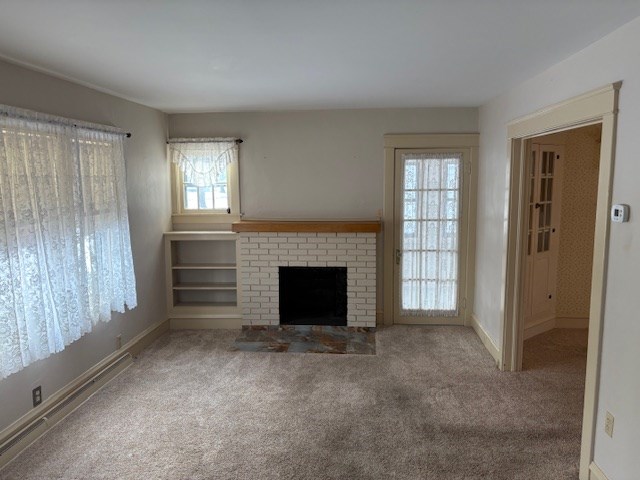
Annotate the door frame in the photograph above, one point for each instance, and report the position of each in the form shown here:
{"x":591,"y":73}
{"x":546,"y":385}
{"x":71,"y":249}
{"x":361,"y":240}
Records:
{"x":598,"y":106}
{"x":392,"y":142}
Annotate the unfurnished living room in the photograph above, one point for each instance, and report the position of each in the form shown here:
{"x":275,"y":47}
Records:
{"x":357,"y":239}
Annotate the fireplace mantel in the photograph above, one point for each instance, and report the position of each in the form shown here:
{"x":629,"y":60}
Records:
{"x":318,"y":226}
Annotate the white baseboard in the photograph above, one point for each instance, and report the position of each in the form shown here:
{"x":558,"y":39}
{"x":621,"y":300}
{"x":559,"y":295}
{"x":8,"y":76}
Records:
{"x":205,"y":323}
{"x":551,"y":323}
{"x":486,"y":339}
{"x":595,"y":473}
{"x":27,"y":429}
{"x":539,"y":327}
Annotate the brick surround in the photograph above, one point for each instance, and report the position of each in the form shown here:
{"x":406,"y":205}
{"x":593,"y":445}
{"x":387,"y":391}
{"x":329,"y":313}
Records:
{"x":261,"y":254}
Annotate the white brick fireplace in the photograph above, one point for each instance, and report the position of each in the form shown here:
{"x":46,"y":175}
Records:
{"x":263,"y":252}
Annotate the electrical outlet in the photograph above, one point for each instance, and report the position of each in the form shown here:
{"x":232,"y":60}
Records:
{"x":608,"y":424}
{"x":36,"y":395}
{"x":118,"y":342}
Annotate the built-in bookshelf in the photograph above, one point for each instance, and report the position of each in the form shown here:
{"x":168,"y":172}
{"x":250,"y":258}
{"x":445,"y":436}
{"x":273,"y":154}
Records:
{"x":202,"y":277}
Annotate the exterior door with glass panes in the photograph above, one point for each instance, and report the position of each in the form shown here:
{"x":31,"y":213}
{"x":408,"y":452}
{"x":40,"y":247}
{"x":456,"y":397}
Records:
{"x":543,"y":235}
{"x":432,"y":212}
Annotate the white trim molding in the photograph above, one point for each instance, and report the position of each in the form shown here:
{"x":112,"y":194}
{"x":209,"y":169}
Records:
{"x":550,"y":323}
{"x":598,"y":106}
{"x":539,"y":327}
{"x":588,"y":108}
{"x":467,"y":141}
{"x":485,"y":339}
{"x":595,"y":473}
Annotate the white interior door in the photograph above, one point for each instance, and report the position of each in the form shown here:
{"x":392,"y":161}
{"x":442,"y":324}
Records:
{"x":543,"y":236}
{"x":431,"y":235}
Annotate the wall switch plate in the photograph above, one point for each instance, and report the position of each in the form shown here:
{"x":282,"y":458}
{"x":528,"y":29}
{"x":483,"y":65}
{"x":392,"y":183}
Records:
{"x":608,"y":424}
{"x":36,"y":395}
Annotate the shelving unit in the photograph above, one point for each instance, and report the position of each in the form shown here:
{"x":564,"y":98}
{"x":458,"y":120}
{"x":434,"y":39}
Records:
{"x":202,"y":279}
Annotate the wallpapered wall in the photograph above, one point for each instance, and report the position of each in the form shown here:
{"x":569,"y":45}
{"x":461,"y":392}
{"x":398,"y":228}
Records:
{"x":578,"y":216}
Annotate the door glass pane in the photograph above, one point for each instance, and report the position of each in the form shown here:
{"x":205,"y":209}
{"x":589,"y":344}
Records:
{"x":547,"y":222}
{"x":547,"y":234}
{"x":540,"y":245}
{"x":429,"y":272}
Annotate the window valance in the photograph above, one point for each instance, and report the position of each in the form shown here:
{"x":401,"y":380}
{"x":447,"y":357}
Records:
{"x":202,"y":160}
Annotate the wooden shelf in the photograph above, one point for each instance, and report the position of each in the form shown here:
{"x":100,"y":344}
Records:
{"x":204,"y":266}
{"x":201,"y":271}
{"x":204,"y":304}
{"x":321,"y":226}
{"x":205,"y":286}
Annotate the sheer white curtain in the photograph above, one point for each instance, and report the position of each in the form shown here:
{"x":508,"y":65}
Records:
{"x":430,"y":234}
{"x":203,"y":160}
{"x":65,"y":252}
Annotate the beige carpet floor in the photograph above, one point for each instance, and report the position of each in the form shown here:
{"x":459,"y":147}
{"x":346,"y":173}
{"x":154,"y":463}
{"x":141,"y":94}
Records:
{"x":429,"y":405}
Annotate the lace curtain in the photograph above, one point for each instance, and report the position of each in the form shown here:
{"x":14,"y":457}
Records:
{"x":430,"y":234}
{"x":202,"y":160}
{"x":65,"y":252}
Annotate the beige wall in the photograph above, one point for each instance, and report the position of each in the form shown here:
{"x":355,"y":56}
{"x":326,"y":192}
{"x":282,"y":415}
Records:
{"x":613,"y":58}
{"x":317,"y":164}
{"x":325,"y":164}
{"x":579,"y":192}
{"x":149,"y":216}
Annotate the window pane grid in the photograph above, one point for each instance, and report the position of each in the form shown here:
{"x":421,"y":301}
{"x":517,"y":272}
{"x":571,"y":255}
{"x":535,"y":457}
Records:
{"x":209,"y":197}
{"x":430,"y":234}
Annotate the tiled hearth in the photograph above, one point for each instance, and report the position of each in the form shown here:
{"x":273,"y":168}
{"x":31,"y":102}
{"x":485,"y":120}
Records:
{"x":307,"y":339}
{"x":262,"y":253}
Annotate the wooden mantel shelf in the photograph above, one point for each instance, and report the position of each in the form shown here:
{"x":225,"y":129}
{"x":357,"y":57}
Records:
{"x":321,"y":226}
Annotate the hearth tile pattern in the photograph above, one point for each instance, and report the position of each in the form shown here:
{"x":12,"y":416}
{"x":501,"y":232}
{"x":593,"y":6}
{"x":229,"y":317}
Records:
{"x":307,"y":339}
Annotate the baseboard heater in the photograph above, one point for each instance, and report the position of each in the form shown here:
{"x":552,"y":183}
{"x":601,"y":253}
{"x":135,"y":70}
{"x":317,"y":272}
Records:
{"x":38,"y":426}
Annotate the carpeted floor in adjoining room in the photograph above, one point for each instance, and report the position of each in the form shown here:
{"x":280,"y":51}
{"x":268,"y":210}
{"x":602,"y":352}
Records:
{"x":429,"y":405}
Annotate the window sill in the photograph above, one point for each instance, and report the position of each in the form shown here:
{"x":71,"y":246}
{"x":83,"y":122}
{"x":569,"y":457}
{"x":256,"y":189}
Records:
{"x":200,"y":218}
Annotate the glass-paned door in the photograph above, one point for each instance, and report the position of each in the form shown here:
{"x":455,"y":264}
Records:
{"x":545,"y":168}
{"x":432,"y":236}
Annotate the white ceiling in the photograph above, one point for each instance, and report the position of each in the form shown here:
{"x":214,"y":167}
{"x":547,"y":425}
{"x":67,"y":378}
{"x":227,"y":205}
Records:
{"x":234,"y":55}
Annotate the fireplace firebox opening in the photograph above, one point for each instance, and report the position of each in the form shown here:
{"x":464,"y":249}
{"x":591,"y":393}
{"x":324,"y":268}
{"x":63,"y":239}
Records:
{"x":313,"y":296}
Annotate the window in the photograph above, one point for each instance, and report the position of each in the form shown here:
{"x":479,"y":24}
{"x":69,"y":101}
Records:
{"x":210,"y":197}
{"x":205,"y":179}
{"x":65,"y":251}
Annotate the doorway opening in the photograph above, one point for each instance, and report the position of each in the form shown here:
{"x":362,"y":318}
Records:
{"x":563,"y":173}
{"x":429,"y":225}
{"x":596,"y":107}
